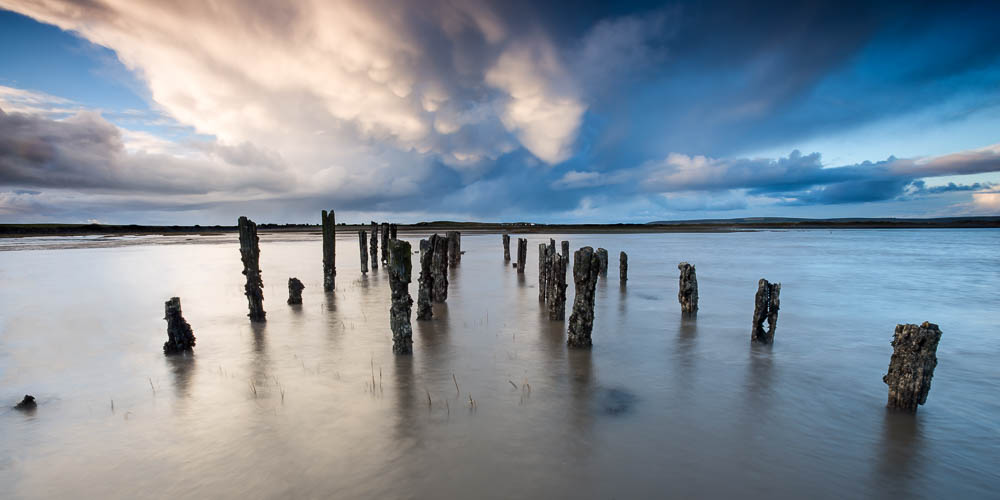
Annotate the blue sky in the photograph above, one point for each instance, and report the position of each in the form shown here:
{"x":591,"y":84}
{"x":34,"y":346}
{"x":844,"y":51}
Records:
{"x":189,"y":112}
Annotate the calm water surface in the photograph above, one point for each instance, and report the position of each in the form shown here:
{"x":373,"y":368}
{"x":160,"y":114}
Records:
{"x":660,"y":407}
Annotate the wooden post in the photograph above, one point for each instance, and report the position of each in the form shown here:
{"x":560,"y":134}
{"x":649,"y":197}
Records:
{"x":384,"y":234}
{"x":602,"y":257}
{"x":522,"y":254}
{"x":557,"y":287}
{"x":392,"y":231}
{"x":586,"y":268}
{"x":250,"y":254}
{"x":180,"y":337}
{"x":454,"y":248}
{"x":687,"y":293}
{"x":373,"y":247}
{"x":295,"y":288}
{"x":543,"y":269}
{"x":363,"y":245}
{"x":623,"y":267}
{"x":765,"y":307}
{"x":439,"y":268}
{"x":400,"y":269}
{"x":426,"y":281}
{"x":914,"y":357}
{"x":565,"y":250}
{"x":506,"y":248}
{"x":329,"y":250}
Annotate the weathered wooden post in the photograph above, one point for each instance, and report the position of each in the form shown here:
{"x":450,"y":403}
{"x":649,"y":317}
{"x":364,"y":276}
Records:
{"x":329,"y":250}
{"x":765,"y":307}
{"x":180,"y":337}
{"x":295,"y":288}
{"x":623,"y":267}
{"x":602,"y":257}
{"x":557,"y":287}
{"x":454,"y":248}
{"x":586,"y":268}
{"x":392,"y":231}
{"x":543,"y":269}
{"x":426,"y":281}
{"x":506,"y":248}
{"x":363,"y":245}
{"x":687,"y":293}
{"x":439,"y":268}
{"x":373,"y":247}
{"x":565,"y":250}
{"x":522,"y":254}
{"x":250,"y":254}
{"x":384,"y":233}
{"x":399,"y":268}
{"x":914,"y":357}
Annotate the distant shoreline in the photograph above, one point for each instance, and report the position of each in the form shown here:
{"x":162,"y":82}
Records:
{"x":694,"y":226}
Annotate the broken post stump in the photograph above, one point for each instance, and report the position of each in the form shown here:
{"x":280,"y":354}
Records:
{"x":295,"y":288}
{"x":439,"y":268}
{"x":765,"y":308}
{"x":687,"y":293}
{"x":399,"y":268}
{"x":623,"y":267}
{"x":250,"y":254}
{"x":363,"y":245}
{"x":454,"y":248}
{"x":180,"y":337}
{"x":329,"y":250}
{"x":506,"y":248}
{"x":373,"y":247}
{"x":602,"y":256}
{"x":557,"y":287}
{"x":26,"y":404}
{"x":586,"y":268}
{"x":522,"y":254}
{"x":914,"y":356}
{"x":426,"y":281}
{"x":565,"y":249}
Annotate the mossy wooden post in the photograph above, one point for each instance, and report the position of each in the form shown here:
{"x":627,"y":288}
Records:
{"x":557,"y":287}
{"x":522,"y":254}
{"x":454,"y":248}
{"x":250,"y":254}
{"x":506,"y":248}
{"x":586,"y":269}
{"x":439,"y":268}
{"x":180,"y":337}
{"x":295,"y":288}
{"x":363,"y":245}
{"x":687,"y":293}
{"x":914,"y":357}
{"x":426,"y":281}
{"x":623,"y":267}
{"x":329,"y":250}
{"x":373,"y":247}
{"x":400,"y":269}
{"x":765,"y":308}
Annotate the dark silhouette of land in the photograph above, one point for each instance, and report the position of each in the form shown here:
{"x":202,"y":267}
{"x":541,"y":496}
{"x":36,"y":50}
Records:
{"x":684,"y":226}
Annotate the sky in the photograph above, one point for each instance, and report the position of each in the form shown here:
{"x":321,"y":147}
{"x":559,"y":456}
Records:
{"x":193,"y":112}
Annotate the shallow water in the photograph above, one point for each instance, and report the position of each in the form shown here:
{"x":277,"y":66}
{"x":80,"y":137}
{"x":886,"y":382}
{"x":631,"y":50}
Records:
{"x":659,"y":407}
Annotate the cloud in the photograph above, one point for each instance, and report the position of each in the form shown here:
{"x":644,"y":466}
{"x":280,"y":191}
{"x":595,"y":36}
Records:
{"x":85,"y":152}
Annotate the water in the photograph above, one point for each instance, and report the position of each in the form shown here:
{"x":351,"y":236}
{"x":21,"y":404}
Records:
{"x":660,"y":406}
